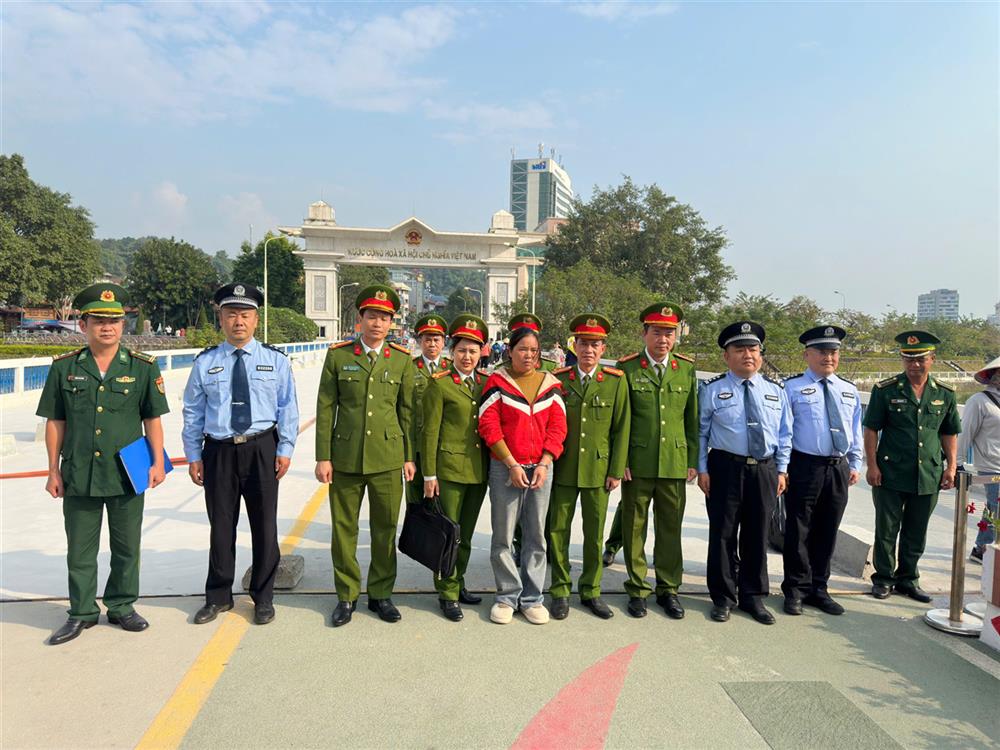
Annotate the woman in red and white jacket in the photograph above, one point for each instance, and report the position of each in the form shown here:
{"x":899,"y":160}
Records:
{"x":522,"y":418}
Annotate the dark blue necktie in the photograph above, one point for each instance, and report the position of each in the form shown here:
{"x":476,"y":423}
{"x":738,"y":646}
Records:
{"x":240,"y":419}
{"x":836,"y":423}
{"x":755,"y":428}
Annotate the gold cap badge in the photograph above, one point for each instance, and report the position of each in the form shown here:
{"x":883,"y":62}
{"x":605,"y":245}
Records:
{"x":107,"y":296}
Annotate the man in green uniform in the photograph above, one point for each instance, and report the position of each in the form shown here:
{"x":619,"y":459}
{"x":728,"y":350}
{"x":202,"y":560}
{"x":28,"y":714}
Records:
{"x":364,"y":436}
{"x":663,"y":453}
{"x":96,"y":401}
{"x":592,"y":464}
{"x":912,"y":459}
{"x":430,"y":331}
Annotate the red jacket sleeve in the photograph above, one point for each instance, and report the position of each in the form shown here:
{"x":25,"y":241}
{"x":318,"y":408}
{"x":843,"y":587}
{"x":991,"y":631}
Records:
{"x":489,"y":412}
{"x":555,"y":426}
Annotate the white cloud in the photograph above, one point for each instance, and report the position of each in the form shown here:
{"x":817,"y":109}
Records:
{"x":191,"y":62}
{"x":161,"y":210}
{"x":613,"y":10}
{"x":238,"y":212}
{"x":170,"y":201}
{"x":476,"y":120}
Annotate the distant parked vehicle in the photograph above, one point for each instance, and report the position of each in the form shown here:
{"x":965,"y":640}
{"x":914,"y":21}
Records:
{"x":43,"y":328}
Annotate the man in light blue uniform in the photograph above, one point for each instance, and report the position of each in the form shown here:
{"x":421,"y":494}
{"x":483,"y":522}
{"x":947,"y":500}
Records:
{"x":827,"y":446}
{"x":241,"y":420}
{"x":746,"y":439}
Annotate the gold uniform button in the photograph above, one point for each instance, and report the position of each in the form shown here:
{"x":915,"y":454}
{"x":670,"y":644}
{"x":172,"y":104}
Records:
{"x":368,"y":432}
{"x":126,"y":391}
{"x":885,"y":458}
{"x":663,"y":421}
{"x":97,"y":431}
{"x":370,"y":414}
{"x":477,"y":445}
{"x":663,"y":406}
{"x":921,"y":445}
{"x":663,"y":440}
{"x":583,"y":419}
{"x":97,"y":453}
{"x":370,"y":396}
{"x":583,"y":434}
{"x":582,"y":449}
{"x":101,"y":388}
{"x":100,"y":408}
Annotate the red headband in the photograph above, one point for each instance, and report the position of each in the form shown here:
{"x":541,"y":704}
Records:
{"x":469,"y":333}
{"x":524,"y":324}
{"x":379,"y":304}
{"x":659,"y":319}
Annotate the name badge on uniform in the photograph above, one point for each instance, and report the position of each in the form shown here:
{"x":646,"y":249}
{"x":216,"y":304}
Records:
{"x":847,"y":394}
{"x":807,"y":391}
{"x":937,"y":402}
{"x":124,"y":379}
{"x":265,"y":368}
{"x":725,"y":395}
{"x":76,"y":378}
{"x":771,"y":397}
{"x":213,"y":370}
{"x":897,"y":401}
{"x":350,"y":368}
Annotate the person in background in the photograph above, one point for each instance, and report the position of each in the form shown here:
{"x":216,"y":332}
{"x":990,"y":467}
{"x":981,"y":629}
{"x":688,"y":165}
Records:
{"x":430,"y":336}
{"x":455,"y":456}
{"x":522,"y":418}
{"x":981,"y":433}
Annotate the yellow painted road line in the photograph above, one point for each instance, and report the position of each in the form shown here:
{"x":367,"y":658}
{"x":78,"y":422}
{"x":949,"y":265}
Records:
{"x":175,"y":718}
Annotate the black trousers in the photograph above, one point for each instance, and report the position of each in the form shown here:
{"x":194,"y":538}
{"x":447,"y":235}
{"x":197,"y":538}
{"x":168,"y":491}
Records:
{"x":740,"y":502}
{"x":233,"y":471}
{"x":814,"y":505}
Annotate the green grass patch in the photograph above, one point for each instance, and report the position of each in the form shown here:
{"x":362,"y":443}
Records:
{"x":20,"y":351}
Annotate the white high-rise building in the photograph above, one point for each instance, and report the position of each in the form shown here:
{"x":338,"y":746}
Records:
{"x":938,"y":304}
{"x":540,"y":189}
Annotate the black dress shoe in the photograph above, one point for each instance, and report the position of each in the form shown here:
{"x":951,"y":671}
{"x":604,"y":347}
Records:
{"x":637,"y":606}
{"x":342,"y":613}
{"x":824,"y":603}
{"x":720,"y":612}
{"x":70,"y":630}
{"x":263,"y":613}
{"x":880,"y":591}
{"x":560,"y":608}
{"x":467,"y":597}
{"x":132,"y":622}
{"x":608,"y":558}
{"x":385,"y":610}
{"x":671,"y":605}
{"x":452,"y":610}
{"x":914,"y":592}
{"x":758,"y":611}
{"x":599,"y":608}
{"x":209,"y":612}
{"x":793,"y":605}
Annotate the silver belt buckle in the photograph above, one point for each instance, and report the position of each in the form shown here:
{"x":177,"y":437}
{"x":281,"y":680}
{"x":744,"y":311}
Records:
{"x":239,"y":439}
{"x":751,"y":461}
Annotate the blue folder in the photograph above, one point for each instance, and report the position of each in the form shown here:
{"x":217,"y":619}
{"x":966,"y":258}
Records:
{"x":137,"y":459}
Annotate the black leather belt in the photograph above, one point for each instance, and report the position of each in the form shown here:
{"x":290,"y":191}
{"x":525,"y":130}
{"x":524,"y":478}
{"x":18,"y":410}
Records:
{"x":747,"y":460}
{"x":239,"y":439}
{"x":825,"y":460}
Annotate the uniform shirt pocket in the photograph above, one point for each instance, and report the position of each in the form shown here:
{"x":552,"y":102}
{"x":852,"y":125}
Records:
{"x":122,"y":395}
{"x":728,"y":412}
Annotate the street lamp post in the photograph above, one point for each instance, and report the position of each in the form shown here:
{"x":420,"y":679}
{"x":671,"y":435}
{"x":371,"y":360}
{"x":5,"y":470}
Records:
{"x":534,"y":256}
{"x":340,"y":303}
{"x":480,"y":293}
{"x":843,"y":304}
{"x":266,"y":243}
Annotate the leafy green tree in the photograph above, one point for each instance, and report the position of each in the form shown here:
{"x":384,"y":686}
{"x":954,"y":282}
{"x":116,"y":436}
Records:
{"x":171,"y":280}
{"x":284,"y":325}
{"x":223,"y":265}
{"x":460,"y":301}
{"x":140,"y":322}
{"x":641,"y":231}
{"x":202,"y":318}
{"x":47,"y":248}
{"x":285,"y":274}
{"x":117,"y":253}
{"x":446,"y":280}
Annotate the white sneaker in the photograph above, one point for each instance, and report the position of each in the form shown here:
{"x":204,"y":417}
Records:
{"x":502,"y":613}
{"x":536,"y":615}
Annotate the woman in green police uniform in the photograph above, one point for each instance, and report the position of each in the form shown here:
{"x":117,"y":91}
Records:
{"x":453,"y":454}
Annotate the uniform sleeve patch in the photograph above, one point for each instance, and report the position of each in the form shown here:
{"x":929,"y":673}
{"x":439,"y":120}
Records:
{"x":159,"y":385}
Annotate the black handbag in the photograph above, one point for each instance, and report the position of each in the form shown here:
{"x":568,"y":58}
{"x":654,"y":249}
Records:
{"x":430,"y":537}
{"x":776,"y":525}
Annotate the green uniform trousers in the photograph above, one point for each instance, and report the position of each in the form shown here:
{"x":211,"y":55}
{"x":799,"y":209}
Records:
{"x":83,"y":518}
{"x":904,"y":515}
{"x":385,"y":492}
{"x":614,"y":542}
{"x":668,"y":498}
{"x":415,"y":487}
{"x":461,"y":503}
{"x":593,"y":510}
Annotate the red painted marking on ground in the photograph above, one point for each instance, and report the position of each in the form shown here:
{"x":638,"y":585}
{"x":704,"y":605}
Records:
{"x":996,"y":623}
{"x":579,"y":717}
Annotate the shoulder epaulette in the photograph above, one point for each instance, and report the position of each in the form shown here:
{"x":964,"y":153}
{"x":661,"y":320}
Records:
{"x":946,"y":386}
{"x":273,"y":348}
{"x":886,"y":383}
{"x":142,"y":357}
{"x":547,"y":359}
{"x":402,"y":349}
{"x":483,"y":372}
{"x":206,"y":349}
{"x":440,"y":374}
{"x":339,"y":344}
{"x":561,"y":370}
{"x":800,"y":375}
{"x":628,"y":357}
{"x":613,"y":371}
{"x":684,"y":357}
{"x":73,"y":353}
{"x":849,"y":382}
{"x":720,"y":376}
{"x":769,"y":379}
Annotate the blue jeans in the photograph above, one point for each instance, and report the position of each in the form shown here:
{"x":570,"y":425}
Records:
{"x":508,"y":506}
{"x":992,"y":493}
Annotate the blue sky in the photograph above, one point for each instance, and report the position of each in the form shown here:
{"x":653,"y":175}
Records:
{"x":842,"y":145}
